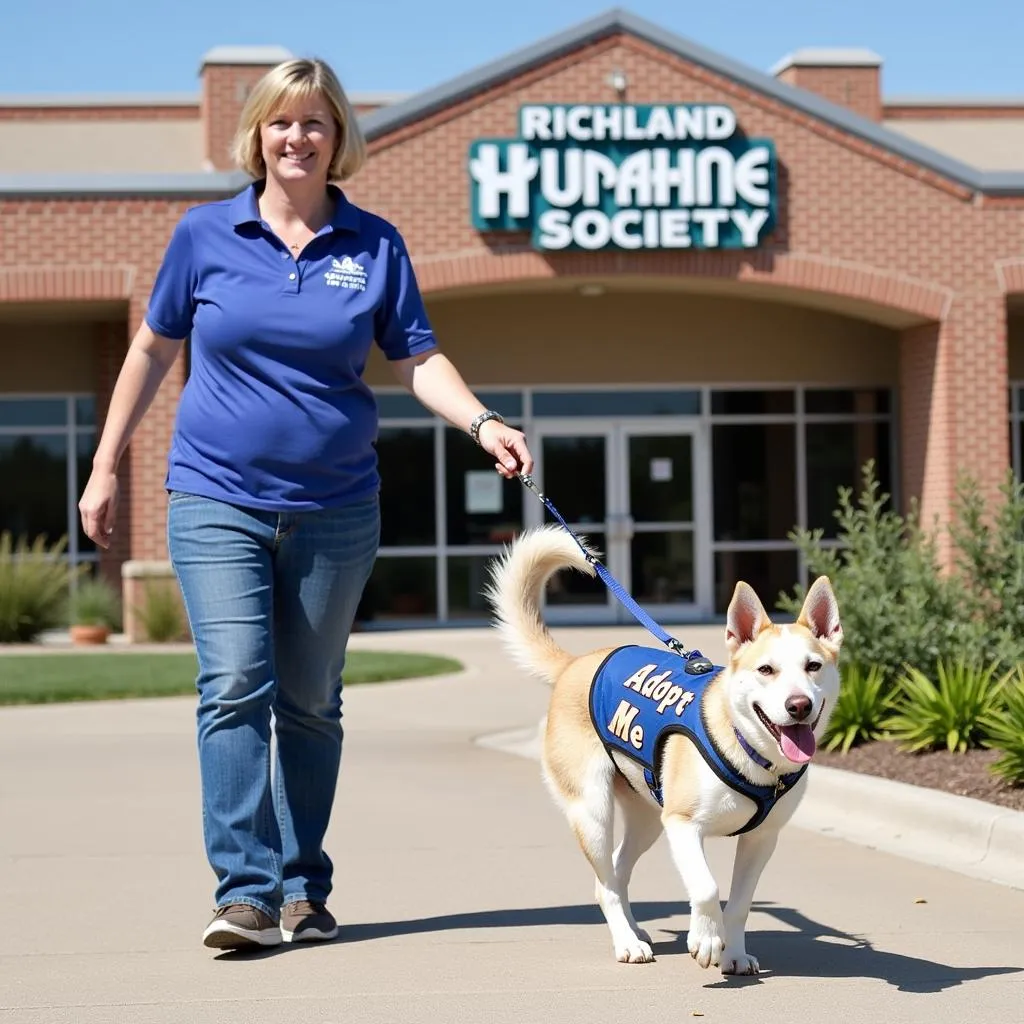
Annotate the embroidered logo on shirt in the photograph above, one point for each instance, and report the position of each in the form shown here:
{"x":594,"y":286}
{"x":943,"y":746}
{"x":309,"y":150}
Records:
{"x":346,"y":273}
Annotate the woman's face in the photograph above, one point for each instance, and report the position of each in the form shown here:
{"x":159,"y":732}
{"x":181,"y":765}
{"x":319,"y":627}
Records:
{"x":298,"y":140}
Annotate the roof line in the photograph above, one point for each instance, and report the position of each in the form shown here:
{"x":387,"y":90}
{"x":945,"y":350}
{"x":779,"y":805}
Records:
{"x":164,"y":99}
{"x":202,"y":185}
{"x":389,"y":119}
{"x":953,"y":101}
{"x":104,"y":99}
{"x":381,"y":122}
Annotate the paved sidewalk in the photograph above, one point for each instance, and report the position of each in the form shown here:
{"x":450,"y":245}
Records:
{"x":462,"y":893}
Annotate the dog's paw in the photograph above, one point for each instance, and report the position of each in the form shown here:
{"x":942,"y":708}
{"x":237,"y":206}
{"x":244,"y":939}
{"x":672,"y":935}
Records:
{"x":704,"y":941}
{"x":634,"y":951}
{"x":737,"y":961}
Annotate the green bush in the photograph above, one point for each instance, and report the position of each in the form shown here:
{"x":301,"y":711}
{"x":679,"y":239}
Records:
{"x":957,"y":713}
{"x":989,"y":552}
{"x":161,"y":613}
{"x":34,"y":582}
{"x":897,"y":606}
{"x":865,"y":701}
{"x":1006,"y":733}
{"x":94,"y":602}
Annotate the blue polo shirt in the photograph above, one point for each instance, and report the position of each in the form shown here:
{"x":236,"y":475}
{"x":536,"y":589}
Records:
{"x":275,"y":414}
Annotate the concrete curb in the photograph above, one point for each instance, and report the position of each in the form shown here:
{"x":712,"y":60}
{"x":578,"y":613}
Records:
{"x":943,"y":830}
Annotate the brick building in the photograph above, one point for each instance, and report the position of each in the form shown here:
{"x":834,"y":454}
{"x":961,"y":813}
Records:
{"x":761,"y":281}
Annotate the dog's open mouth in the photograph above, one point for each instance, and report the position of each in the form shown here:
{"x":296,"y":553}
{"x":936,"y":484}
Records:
{"x":796,"y":742}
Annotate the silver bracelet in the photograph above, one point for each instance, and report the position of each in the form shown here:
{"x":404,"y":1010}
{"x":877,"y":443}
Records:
{"x":474,"y":427}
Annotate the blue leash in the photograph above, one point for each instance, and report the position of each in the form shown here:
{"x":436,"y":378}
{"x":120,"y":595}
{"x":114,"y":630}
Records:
{"x":617,"y":588}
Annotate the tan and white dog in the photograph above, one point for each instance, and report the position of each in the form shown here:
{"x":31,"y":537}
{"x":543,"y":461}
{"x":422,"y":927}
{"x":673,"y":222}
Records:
{"x":763,"y":713}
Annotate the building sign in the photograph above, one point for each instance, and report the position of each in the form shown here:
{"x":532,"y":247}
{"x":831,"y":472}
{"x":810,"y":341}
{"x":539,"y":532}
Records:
{"x":626,"y":177}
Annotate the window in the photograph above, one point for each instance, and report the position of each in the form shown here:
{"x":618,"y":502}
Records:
{"x":779,"y":459}
{"x":445,"y":513}
{"x":405,"y":457}
{"x":46,"y":448}
{"x":1016,"y":402}
{"x":482,"y":507}
{"x":616,"y":403}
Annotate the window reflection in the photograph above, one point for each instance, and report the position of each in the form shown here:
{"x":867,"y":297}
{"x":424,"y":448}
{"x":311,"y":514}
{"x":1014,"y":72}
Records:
{"x":34,"y":495}
{"x":483,"y":507}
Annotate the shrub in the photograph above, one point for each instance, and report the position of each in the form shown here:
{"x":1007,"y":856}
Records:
{"x":865,"y":701}
{"x":896,"y":604}
{"x":34,"y":580}
{"x":1006,"y":732}
{"x":161,"y":613}
{"x":956,"y":714}
{"x":989,"y":552}
{"x":94,"y":602}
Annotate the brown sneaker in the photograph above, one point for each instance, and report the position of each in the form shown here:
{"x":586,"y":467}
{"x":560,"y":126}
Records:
{"x":239,"y":926}
{"x":306,"y":921}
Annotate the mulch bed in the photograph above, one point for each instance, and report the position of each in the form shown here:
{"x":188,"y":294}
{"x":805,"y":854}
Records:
{"x":964,"y":774}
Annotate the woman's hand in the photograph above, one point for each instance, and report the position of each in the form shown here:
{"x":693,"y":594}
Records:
{"x":98,"y":507}
{"x":508,"y":446}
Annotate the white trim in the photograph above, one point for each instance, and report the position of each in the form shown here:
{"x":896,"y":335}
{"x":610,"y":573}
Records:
{"x":268,"y":55}
{"x":952,"y":101}
{"x":40,"y":101}
{"x":827,"y":57}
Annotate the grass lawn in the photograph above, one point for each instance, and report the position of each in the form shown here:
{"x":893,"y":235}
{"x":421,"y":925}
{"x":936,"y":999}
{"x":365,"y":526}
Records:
{"x":51,"y":678}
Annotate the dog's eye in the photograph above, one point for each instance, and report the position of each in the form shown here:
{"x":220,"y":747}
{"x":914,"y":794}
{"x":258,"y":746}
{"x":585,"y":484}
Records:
{"x":814,"y":666}
{"x":765,"y":670}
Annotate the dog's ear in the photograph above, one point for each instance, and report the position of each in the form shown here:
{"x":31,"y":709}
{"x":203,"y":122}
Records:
{"x":746,"y":618}
{"x":820,"y":613}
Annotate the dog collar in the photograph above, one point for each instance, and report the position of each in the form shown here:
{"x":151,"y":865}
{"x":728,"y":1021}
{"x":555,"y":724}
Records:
{"x":756,"y":757}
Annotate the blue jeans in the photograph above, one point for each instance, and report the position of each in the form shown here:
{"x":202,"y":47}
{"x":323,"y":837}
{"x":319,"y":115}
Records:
{"x":270,"y":600}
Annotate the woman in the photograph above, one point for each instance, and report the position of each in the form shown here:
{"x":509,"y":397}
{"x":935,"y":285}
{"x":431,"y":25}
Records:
{"x":273,"y":518}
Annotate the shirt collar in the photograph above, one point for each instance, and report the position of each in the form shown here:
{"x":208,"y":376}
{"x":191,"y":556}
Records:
{"x":245,"y":208}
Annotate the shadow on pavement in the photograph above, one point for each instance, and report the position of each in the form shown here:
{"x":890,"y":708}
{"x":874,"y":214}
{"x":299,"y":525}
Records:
{"x":804,"y":948}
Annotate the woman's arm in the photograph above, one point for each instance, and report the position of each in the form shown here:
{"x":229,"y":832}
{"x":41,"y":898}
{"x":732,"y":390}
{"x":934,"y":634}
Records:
{"x":149,"y":358}
{"x":435,"y":382}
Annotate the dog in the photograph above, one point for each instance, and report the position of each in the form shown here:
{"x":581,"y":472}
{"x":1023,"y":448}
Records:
{"x":682,"y":746}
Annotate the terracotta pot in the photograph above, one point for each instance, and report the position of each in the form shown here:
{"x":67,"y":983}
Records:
{"x":89,"y":634}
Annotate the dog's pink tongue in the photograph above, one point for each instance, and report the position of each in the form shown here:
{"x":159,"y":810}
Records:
{"x":798,"y":743}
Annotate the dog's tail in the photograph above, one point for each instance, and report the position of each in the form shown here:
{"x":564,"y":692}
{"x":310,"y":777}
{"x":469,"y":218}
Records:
{"x":518,"y":578}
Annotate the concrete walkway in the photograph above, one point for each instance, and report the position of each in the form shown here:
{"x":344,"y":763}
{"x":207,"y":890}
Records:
{"x":461,"y":891}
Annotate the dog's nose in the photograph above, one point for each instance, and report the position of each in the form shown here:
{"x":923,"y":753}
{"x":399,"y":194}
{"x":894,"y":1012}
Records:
{"x":799,"y":706}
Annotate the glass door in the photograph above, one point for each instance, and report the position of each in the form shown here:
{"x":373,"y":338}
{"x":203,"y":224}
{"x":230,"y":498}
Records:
{"x":664,"y":483}
{"x":637,"y":490}
{"x":573,"y":458}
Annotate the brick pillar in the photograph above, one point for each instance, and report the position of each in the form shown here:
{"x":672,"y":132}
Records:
{"x":953,"y":402}
{"x":147,"y":462}
{"x":851,"y":78}
{"x":228,"y":73}
{"x":111,"y":344}
{"x":981,"y":388}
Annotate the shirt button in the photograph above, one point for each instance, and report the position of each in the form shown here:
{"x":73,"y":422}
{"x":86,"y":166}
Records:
{"x":291,"y":277}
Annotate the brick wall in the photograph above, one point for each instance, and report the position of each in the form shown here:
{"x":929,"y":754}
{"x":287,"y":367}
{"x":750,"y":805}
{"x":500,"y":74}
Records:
{"x":857,"y":88}
{"x":854,"y":221}
{"x":225,"y":88}
{"x":104,"y":250}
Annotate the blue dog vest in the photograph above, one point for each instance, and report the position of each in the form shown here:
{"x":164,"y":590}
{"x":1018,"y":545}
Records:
{"x":640,"y":695}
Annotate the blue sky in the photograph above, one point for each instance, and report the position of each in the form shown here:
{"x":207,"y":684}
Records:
{"x":938,"y":47}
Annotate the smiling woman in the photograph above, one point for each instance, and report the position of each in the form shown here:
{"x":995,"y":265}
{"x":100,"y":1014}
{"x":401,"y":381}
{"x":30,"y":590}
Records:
{"x":296,"y":132}
{"x":273,"y":519}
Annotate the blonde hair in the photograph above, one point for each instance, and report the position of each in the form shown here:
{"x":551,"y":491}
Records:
{"x":292,"y":80}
